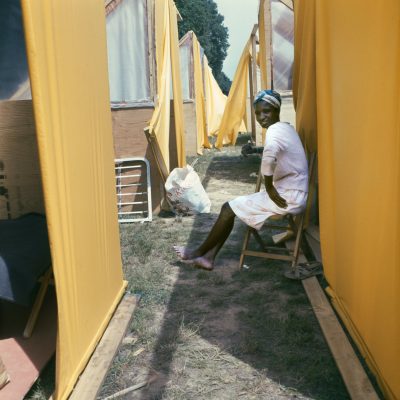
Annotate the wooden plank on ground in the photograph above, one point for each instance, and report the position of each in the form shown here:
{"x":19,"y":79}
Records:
{"x":315,"y":246}
{"x":96,"y":370}
{"x":313,"y":231}
{"x":353,"y":374}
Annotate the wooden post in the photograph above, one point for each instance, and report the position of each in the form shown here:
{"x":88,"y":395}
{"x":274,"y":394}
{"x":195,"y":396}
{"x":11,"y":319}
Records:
{"x":268,"y":41}
{"x":252,"y":115}
{"x":253,"y":80}
{"x":254,"y":73}
{"x":151,"y":59}
{"x":254,"y":62}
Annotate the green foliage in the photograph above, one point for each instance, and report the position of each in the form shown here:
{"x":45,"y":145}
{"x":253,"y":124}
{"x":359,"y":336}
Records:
{"x":202,"y":17}
{"x":224,"y":82}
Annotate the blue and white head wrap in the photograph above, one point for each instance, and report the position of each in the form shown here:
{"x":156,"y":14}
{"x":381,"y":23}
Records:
{"x":269,"y":96}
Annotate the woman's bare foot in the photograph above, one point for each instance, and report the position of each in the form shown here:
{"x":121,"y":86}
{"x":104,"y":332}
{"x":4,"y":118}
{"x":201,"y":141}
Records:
{"x":184,"y":253}
{"x":203,"y":262}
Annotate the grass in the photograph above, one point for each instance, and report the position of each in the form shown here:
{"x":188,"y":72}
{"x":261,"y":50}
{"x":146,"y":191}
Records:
{"x":223,"y":334}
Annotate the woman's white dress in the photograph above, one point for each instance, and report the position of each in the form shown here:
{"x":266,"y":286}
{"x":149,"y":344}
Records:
{"x":285,"y":159}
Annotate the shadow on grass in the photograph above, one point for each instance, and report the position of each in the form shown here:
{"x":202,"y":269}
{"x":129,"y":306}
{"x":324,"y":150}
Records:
{"x":257,"y":316}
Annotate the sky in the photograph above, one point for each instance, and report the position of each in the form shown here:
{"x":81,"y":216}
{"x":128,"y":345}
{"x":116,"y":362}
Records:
{"x":240,"y":17}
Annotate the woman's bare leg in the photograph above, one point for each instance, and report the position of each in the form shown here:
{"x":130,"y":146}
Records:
{"x":205,"y":254}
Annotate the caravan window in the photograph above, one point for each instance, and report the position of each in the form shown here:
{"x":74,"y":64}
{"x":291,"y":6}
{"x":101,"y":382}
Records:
{"x":128,"y":49}
{"x":283,"y":47}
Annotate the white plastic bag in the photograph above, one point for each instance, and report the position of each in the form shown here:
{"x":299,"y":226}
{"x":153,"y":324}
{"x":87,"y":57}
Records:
{"x":186,"y":193}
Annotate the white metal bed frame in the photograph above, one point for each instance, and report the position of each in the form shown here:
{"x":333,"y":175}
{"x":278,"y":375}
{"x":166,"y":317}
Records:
{"x":138,"y":164}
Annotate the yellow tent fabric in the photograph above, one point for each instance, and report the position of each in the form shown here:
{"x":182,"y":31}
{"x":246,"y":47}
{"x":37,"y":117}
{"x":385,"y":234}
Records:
{"x":202,"y":137}
{"x":215,"y":100}
{"x":304,"y":82}
{"x":68,"y":72}
{"x":357,"y":116}
{"x":235,"y":109}
{"x":177,"y":86}
{"x":168,"y":73}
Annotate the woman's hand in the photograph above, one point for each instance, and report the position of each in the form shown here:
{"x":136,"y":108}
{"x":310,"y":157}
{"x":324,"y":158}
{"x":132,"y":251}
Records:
{"x":247,"y":149}
{"x":276,"y":197}
{"x":273,"y":193}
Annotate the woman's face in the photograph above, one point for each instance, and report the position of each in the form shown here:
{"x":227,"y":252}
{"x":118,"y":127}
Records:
{"x":266,"y":114}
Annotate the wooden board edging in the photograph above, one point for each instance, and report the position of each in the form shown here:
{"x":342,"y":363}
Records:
{"x":353,"y":374}
{"x":355,"y":378}
{"x":92,"y":377}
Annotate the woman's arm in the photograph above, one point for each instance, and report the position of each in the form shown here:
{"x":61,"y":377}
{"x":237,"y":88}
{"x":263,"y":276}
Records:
{"x":273,"y":193}
{"x":248,"y":149}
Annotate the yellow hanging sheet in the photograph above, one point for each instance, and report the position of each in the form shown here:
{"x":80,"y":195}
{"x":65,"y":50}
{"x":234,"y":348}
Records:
{"x":168,"y":73}
{"x":356,"y":112}
{"x":215,"y":101}
{"x":177,"y":86}
{"x":235,"y":109}
{"x":202,"y":137}
{"x":304,"y":80}
{"x":160,"y":122}
{"x":68,"y":73}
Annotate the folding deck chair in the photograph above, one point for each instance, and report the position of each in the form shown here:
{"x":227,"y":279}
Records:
{"x":293,"y":223}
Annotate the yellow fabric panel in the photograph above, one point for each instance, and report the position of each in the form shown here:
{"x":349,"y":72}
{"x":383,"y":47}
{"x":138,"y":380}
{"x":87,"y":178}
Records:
{"x":68,"y":72}
{"x":202,"y":137}
{"x":215,"y":100}
{"x":177,"y":86}
{"x":168,"y":74}
{"x":160,"y":121}
{"x":215,"y":103}
{"x":304,"y":79}
{"x":245,"y":121}
{"x":358,"y":120}
{"x":235,"y":109}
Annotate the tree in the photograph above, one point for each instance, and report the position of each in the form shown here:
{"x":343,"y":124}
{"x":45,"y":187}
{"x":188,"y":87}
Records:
{"x":224,"y":82}
{"x":202,"y":17}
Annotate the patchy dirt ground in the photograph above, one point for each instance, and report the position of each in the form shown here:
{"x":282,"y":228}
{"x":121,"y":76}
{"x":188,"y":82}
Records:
{"x":223,"y":334}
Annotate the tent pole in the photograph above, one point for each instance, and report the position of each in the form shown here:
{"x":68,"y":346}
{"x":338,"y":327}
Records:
{"x":268,"y":41}
{"x":253,"y":79}
{"x":251,"y":87}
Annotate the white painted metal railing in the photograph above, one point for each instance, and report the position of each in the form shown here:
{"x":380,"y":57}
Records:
{"x":126,"y":170}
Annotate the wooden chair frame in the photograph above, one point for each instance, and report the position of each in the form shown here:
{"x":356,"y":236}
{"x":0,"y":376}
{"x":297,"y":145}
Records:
{"x":45,"y":281}
{"x":294,"y":223}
